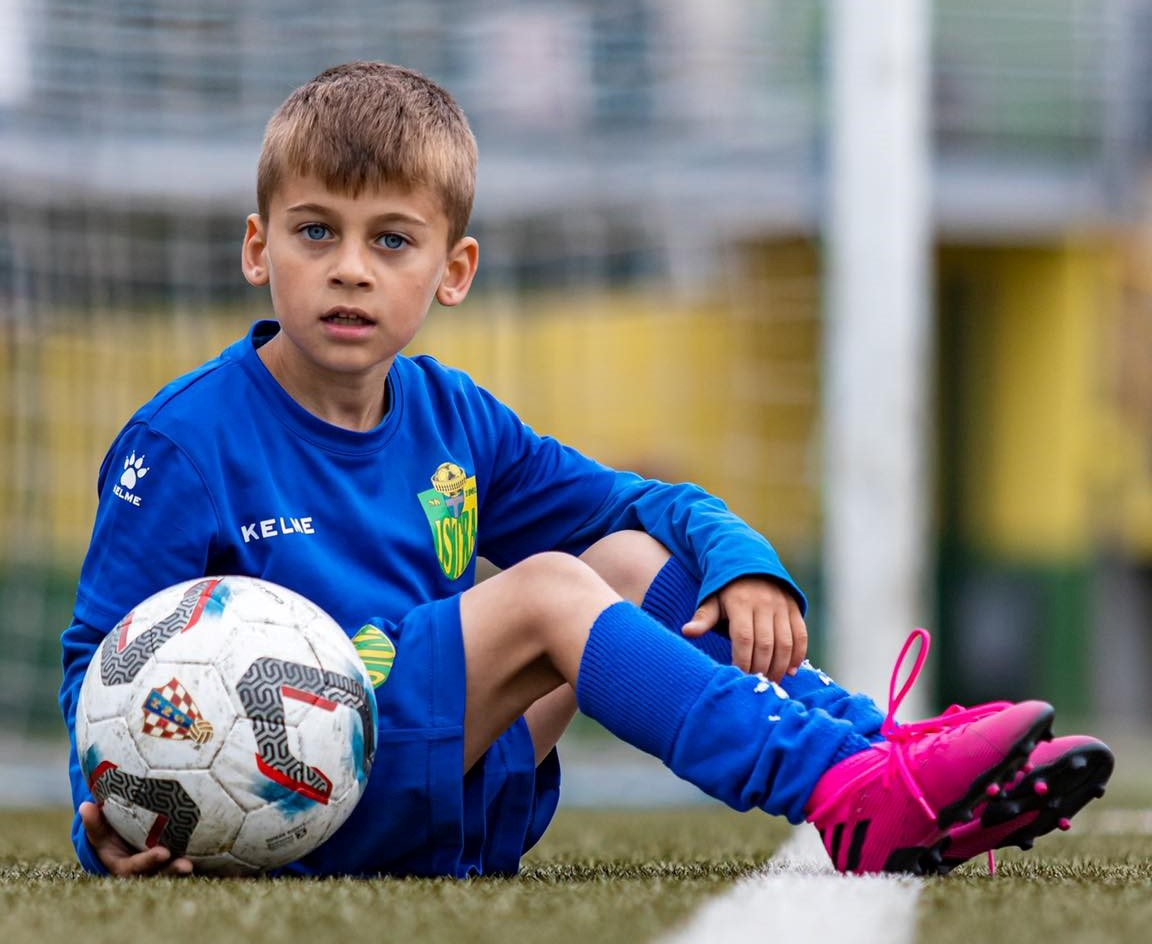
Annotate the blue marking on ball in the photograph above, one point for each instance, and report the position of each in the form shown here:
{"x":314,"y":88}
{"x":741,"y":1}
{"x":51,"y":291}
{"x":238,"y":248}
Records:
{"x":356,"y":750}
{"x":218,"y":599}
{"x":288,"y":801}
{"x":90,"y":761}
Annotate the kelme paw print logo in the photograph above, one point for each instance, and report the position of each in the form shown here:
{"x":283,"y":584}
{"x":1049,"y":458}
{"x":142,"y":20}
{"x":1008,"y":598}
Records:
{"x":134,"y":471}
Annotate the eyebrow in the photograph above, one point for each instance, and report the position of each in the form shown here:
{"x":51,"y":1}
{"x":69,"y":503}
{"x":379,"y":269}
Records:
{"x":383,"y":219}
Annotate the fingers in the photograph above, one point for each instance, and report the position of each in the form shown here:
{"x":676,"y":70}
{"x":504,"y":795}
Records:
{"x":178,"y":868}
{"x":86,"y":810}
{"x":799,"y":630}
{"x":790,"y":647}
{"x":762,"y":642}
{"x":782,"y":653}
{"x":781,"y":657}
{"x":148,"y":862}
{"x":765,"y":627}
{"x":154,"y":861}
{"x":96,"y":827}
{"x":119,"y":858}
{"x":704,"y":619}
{"x":742,"y":634}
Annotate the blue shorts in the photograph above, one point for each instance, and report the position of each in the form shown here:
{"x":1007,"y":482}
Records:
{"x":420,"y":813}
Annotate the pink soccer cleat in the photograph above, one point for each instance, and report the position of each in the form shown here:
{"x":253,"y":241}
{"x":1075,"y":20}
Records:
{"x":890,"y":807}
{"x":1062,"y":776}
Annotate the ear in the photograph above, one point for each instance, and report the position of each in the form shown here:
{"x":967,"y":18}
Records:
{"x":252,"y":259}
{"x":459,"y":272}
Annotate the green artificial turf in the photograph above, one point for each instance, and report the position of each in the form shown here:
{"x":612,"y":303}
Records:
{"x":1086,"y":889}
{"x":598,"y":877}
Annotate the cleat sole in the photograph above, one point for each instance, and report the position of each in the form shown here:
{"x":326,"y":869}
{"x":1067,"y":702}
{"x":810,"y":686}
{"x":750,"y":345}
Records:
{"x":1073,"y":780}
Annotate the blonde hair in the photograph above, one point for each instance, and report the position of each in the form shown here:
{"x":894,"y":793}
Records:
{"x":366,"y":124}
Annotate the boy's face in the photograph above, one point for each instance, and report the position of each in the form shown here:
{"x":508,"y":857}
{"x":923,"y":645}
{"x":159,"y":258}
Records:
{"x":352,"y":278}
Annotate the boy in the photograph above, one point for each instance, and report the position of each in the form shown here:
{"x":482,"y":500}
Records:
{"x":364,"y":191}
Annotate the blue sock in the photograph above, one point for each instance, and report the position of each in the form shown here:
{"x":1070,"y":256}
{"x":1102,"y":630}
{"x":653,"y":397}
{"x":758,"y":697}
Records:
{"x":671,"y":599}
{"x":740,"y":739}
{"x":816,"y":690}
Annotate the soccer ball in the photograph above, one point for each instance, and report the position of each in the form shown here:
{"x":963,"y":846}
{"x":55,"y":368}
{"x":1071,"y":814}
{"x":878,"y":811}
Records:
{"x":230,"y":720}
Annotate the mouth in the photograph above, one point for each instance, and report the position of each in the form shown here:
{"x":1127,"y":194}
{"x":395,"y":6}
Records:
{"x":351,"y":317}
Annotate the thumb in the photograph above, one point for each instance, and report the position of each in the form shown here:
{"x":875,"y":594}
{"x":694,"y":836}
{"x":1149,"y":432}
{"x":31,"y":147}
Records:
{"x":95,"y":826}
{"x":705,"y":617}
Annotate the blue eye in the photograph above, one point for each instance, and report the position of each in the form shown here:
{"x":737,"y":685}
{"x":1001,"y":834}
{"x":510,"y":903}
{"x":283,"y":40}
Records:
{"x":393,"y":241}
{"x":315,"y":231}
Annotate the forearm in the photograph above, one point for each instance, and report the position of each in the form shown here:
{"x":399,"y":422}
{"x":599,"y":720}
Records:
{"x":699,"y":530}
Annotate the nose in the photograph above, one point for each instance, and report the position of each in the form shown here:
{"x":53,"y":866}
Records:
{"x":351,"y":268}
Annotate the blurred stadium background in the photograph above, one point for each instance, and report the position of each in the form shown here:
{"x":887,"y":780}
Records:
{"x":652,"y":213}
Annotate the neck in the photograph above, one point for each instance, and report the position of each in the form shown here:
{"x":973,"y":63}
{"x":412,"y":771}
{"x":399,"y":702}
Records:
{"x":355,"y":402}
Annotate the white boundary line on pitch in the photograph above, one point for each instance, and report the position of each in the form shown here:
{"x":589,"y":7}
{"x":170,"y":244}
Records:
{"x":800,"y":898}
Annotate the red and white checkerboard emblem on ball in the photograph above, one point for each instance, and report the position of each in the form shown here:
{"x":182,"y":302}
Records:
{"x":170,"y":712}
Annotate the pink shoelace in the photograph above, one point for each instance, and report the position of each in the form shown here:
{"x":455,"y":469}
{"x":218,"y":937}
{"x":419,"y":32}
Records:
{"x":900,"y":736}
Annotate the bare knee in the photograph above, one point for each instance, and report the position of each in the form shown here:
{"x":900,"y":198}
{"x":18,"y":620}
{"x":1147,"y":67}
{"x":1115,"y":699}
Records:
{"x":539,"y":609}
{"x":627,"y":561}
{"x":551,"y":585}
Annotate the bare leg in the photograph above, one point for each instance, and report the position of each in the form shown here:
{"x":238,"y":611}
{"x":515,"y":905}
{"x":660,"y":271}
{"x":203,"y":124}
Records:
{"x":553,"y":622}
{"x":627,"y":561}
{"x":524,"y":632}
{"x":548,"y":718}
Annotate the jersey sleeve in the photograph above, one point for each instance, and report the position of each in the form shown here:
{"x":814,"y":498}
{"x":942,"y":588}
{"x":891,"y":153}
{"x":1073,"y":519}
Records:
{"x":79,"y":645}
{"x":544,"y":495}
{"x":155,"y":525}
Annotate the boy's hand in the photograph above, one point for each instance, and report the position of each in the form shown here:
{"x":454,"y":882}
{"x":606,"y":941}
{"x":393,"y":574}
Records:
{"x":764,"y":623}
{"x":119,"y":858}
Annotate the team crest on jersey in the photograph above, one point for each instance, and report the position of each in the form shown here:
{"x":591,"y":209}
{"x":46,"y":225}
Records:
{"x":450,"y":505}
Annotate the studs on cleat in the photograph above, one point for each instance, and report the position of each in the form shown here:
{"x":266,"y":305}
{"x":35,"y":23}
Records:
{"x":993,"y":789}
{"x":1043,"y":799}
{"x":932,"y":861}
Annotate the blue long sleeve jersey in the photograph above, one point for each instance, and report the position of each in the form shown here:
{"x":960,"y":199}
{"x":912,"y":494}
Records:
{"x":223,"y":473}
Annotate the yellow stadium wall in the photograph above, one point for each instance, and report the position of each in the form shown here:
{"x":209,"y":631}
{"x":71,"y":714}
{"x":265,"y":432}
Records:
{"x":1043,"y":462}
{"x":1051,"y":463}
{"x":721,"y":393}
{"x":1044,"y":428}
{"x":1052,"y":453}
